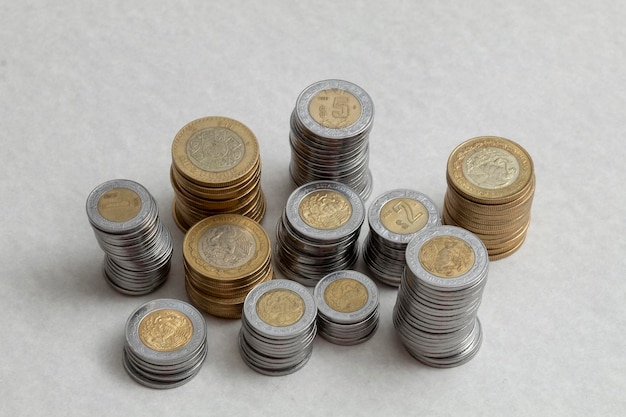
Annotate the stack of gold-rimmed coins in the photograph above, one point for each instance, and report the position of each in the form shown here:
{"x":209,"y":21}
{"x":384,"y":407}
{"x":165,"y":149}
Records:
{"x":491,"y":183}
{"x":216,"y":169}
{"x":225,"y":256}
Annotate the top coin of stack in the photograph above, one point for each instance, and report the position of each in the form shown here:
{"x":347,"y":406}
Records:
{"x":329,"y":135}
{"x":491,"y":184}
{"x":216,"y":169}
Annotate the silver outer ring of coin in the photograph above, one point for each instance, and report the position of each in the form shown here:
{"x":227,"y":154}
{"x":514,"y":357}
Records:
{"x":377,"y":226}
{"x":163,"y":358}
{"x":362,"y":123}
{"x":302,"y":325}
{"x":476,"y":272}
{"x":345,"y":318}
{"x":118,"y":227}
{"x":354,"y":222}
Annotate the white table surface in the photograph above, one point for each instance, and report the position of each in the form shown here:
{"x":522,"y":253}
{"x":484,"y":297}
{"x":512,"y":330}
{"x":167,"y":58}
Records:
{"x":91,"y":91}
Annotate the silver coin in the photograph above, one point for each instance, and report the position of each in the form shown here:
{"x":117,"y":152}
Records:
{"x":346,"y":296}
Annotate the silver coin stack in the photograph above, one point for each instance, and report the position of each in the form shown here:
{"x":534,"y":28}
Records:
{"x":278,"y":327}
{"x":137,"y":245}
{"x":318,"y":232}
{"x":165,"y":343}
{"x":394,"y":218}
{"x":329,"y":135}
{"x":347,"y":307}
{"x":436,"y":309}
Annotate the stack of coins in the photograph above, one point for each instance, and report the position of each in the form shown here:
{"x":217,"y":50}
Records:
{"x":216,"y":169}
{"x":165,"y":343}
{"x":435,"y":311}
{"x":319,"y":231}
{"x":225,"y":256}
{"x":394,"y":218}
{"x":278,"y":328}
{"x":347,"y":307}
{"x":491,"y":184}
{"x":329,"y":135}
{"x":137,"y":245}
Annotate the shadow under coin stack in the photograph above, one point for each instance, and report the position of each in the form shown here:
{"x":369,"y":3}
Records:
{"x":278,"y":327}
{"x":491,"y":184}
{"x":165,"y":343}
{"x":394,"y":218}
{"x":225,"y":256}
{"x":329,"y":135}
{"x":441,"y":290}
{"x":216,"y":169}
{"x":347,"y":307}
{"x":319,"y":231}
{"x":137,"y":245}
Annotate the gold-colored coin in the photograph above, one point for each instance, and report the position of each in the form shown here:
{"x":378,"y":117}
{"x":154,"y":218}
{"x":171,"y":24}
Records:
{"x":280,"y":307}
{"x":119,"y":204}
{"x":335,"y":108}
{"x":489,"y":169}
{"x":325,"y":209}
{"x":165,"y":330}
{"x":345,"y":295}
{"x":446,"y":256}
{"x":215,"y":150}
{"x":403,"y":215}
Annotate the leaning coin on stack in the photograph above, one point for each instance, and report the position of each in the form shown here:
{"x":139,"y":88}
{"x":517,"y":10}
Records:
{"x":329,"y":135}
{"x":318,"y":232}
{"x":225,"y":256}
{"x":165,"y":343}
{"x":278,"y":327}
{"x":137,"y":245}
{"x":216,"y":169}
{"x":491,"y":184}
{"x":347,"y":307}
{"x":436,"y":309}
{"x":394,"y":218}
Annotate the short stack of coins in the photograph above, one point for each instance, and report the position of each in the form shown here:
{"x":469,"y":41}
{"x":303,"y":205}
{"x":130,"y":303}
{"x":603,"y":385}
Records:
{"x":319,"y":231}
{"x":165,"y":343}
{"x":278,"y":327}
{"x":394,"y":218}
{"x":216,"y":169}
{"x":329,"y":135}
{"x":137,"y":245}
{"x":347,"y":307}
{"x":225,"y":256}
{"x":491,"y":184}
{"x":436,"y":309}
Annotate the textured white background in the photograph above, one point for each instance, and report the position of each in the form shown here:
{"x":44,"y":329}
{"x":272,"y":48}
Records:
{"x":91,"y":91}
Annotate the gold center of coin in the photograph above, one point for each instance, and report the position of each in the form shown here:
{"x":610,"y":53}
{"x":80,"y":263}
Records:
{"x":446,"y":256}
{"x":403,"y":216}
{"x":491,"y":168}
{"x":165,"y":330}
{"x":325,"y":209}
{"x":335,"y":108}
{"x":345,"y":295}
{"x":215,"y":149}
{"x":119,"y":204}
{"x":280,"y":307}
{"x":227,"y":246}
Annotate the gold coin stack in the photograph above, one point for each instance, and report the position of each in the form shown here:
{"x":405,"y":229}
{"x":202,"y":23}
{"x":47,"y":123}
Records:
{"x":491,"y":184}
{"x":216,"y":169}
{"x":225,"y":256}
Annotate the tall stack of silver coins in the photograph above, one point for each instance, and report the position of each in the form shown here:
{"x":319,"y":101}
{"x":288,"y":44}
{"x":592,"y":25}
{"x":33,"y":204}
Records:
{"x":394,"y":218}
{"x":278,"y":327}
{"x":165,"y":343}
{"x":329,"y":135}
{"x":318,"y":232}
{"x":347,"y":307}
{"x":436,"y":309}
{"x":137,"y":245}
